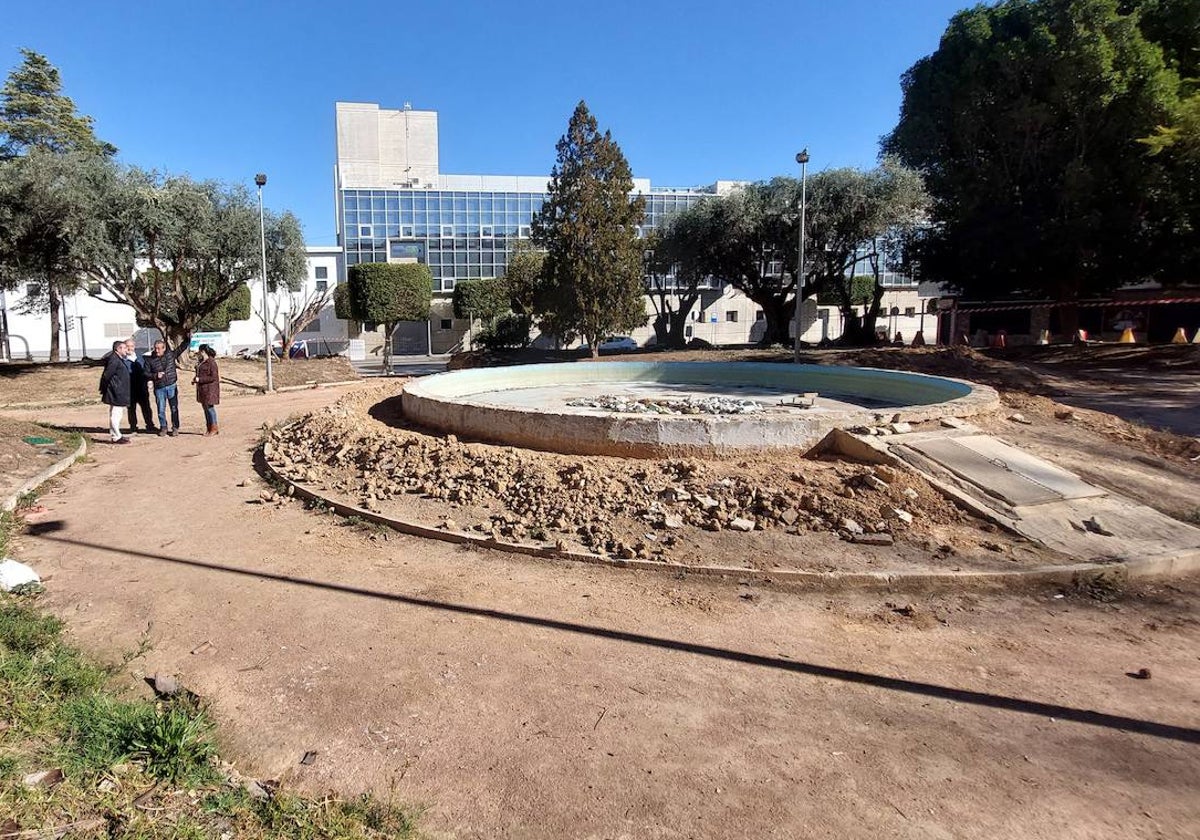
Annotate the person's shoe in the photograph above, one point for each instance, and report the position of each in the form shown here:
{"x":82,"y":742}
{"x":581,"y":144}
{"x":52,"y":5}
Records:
{"x":208,"y":431}
{"x":216,"y":430}
{"x":174,"y":431}
{"x":162,"y":432}
{"x":121,"y":440}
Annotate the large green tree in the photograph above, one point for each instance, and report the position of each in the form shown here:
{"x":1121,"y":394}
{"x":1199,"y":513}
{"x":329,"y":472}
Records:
{"x":588,"y":228}
{"x":41,"y":202}
{"x":860,"y":218}
{"x":176,"y":250}
{"x":680,"y":255}
{"x":1025,"y":122}
{"x":751,"y":238}
{"x":46,"y":149}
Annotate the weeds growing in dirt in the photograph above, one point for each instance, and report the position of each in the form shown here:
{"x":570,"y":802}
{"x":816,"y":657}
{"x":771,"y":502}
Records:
{"x":132,"y":767}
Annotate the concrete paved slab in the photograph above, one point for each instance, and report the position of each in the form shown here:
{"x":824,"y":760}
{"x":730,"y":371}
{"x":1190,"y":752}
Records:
{"x":1042,"y":502}
{"x":1004,"y":471}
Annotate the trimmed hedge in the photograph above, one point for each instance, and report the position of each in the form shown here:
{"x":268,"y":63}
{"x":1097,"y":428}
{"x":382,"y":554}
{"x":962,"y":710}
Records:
{"x":485,"y":298}
{"x":341,"y":302}
{"x":389,"y":292}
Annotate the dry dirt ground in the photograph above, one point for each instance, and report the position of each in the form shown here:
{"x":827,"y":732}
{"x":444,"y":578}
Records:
{"x":21,"y":459}
{"x":32,"y":384}
{"x":524,"y":698}
{"x":682,"y":510}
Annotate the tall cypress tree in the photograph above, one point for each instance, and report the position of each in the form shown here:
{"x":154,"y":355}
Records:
{"x":45,"y":150}
{"x":34,"y":113}
{"x":592,"y":275}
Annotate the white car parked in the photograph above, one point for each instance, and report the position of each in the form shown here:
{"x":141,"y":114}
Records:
{"x":617,"y":342}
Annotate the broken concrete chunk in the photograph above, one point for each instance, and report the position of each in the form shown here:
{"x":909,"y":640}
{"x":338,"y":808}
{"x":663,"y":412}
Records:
{"x":882,"y":538}
{"x":874,"y":482}
{"x":899,"y":428}
{"x":1020,"y":418}
{"x":1094,"y":525}
{"x":848,"y":524}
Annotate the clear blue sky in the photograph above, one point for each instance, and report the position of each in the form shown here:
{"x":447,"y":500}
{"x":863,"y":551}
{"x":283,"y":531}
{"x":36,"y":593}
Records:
{"x":693,"y":91}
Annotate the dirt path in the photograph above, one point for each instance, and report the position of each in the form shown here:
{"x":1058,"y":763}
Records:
{"x":1159,"y":399}
{"x":523,"y":698}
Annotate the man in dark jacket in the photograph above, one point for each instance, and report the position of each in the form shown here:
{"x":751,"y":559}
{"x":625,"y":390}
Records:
{"x":139,"y":384}
{"x":114,"y":390}
{"x":162,"y":373}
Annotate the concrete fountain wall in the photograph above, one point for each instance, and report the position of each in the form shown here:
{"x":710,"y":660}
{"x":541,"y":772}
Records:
{"x":459,"y":403}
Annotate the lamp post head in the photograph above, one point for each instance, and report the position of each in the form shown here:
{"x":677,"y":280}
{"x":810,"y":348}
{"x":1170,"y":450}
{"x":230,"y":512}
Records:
{"x":260,"y":179}
{"x":802,"y":156}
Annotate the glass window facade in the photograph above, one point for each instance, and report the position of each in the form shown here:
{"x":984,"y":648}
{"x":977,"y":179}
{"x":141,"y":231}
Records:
{"x":458,"y":234}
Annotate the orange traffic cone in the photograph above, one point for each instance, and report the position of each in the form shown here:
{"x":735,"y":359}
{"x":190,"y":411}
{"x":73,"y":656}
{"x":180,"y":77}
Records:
{"x":1127,"y":337}
{"x":1196,"y":337}
{"x":1044,"y":338}
{"x":1180,"y":336}
{"x":1081,"y":336}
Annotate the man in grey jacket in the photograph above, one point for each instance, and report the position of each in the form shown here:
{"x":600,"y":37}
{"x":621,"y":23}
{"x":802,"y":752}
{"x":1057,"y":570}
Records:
{"x":162,"y":373}
{"x":115,"y":390}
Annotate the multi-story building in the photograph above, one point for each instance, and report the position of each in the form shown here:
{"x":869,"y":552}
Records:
{"x":395,"y":205}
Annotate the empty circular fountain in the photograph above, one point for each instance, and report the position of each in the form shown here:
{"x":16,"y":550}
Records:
{"x":653,"y":409}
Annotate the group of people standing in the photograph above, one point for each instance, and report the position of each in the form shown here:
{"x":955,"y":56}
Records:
{"x":128,"y":379}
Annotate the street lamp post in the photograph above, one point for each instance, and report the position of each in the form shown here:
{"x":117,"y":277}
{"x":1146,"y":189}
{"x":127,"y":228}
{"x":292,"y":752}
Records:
{"x":802,"y":159}
{"x":261,"y":180}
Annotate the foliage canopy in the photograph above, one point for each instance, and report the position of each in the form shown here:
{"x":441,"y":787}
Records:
{"x":1026,"y":122}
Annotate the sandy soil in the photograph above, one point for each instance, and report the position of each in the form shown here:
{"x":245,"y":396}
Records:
{"x":523,"y":698}
{"x":32,"y":384}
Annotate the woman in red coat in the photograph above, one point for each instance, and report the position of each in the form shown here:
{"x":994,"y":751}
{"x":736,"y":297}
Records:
{"x":208,"y":388}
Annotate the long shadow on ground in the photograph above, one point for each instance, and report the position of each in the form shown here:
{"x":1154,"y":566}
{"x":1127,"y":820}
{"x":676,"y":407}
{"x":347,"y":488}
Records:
{"x":940,"y":692}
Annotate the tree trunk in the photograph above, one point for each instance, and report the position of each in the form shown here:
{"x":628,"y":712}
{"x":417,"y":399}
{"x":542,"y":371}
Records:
{"x":387,"y":347}
{"x":871,"y":317}
{"x":675,"y":334}
{"x":55,"y":311}
{"x":777,"y":312}
{"x":662,"y":330}
{"x":678,"y":321}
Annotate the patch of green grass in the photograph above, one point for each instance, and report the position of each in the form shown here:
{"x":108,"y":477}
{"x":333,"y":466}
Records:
{"x":8,"y":527}
{"x":135,"y":768}
{"x":27,"y":500}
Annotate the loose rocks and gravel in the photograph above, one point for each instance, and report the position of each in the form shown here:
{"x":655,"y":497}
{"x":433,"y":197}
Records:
{"x":688,"y":405}
{"x":768,"y":512}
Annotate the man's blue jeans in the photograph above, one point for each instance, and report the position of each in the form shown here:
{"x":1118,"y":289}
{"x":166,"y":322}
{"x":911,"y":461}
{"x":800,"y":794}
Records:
{"x":162,"y":396}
